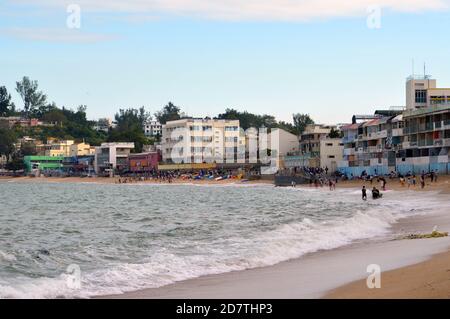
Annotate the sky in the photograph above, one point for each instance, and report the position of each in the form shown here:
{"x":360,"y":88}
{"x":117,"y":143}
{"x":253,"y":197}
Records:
{"x":328,"y":58}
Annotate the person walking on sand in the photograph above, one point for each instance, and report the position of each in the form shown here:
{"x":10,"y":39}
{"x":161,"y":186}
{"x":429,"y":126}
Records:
{"x":364,"y":193}
{"x":422,"y":181}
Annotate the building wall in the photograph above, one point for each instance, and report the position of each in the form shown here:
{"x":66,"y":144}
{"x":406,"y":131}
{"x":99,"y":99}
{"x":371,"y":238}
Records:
{"x":201,"y":140}
{"x":59,"y":148}
{"x":81,"y":149}
{"x":331,"y":153}
{"x":144,"y":162}
{"x":115,"y":154}
{"x":417,"y":83}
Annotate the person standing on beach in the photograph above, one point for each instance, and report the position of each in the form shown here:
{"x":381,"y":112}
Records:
{"x":422,"y":181}
{"x":364,"y":193}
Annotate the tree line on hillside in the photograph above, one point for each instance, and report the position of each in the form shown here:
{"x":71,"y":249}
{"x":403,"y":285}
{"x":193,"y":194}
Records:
{"x":73,"y":124}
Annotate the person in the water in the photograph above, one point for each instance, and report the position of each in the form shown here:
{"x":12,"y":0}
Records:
{"x":376,"y":193}
{"x":364,"y":193}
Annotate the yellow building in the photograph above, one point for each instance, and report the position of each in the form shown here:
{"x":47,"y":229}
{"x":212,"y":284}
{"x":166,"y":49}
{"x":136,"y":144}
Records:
{"x":81,"y":149}
{"x":59,"y":148}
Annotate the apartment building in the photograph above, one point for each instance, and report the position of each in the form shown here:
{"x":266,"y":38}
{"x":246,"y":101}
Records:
{"x":81,"y":149}
{"x":310,"y":138}
{"x":414,"y":141}
{"x":112,"y":156}
{"x":426,"y":143}
{"x":194,"y":140}
{"x":152,"y":129}
{"x":58,"y":148}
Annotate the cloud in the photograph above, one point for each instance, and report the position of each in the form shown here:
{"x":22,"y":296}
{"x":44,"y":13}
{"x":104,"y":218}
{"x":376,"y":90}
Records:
{"x":248,"y":10}
{"x":55,"y":35}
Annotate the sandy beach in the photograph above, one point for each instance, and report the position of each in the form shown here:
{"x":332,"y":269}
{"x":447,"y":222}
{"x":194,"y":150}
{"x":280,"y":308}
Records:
{"x":442,"y":185}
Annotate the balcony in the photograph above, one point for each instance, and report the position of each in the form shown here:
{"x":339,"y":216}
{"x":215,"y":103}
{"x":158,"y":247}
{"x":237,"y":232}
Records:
{"x":349,"y":151}
{"x":397,"y":132}
{"x":348,"y":139}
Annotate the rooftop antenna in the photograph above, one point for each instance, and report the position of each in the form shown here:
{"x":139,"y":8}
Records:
{"x":412,"y":67}
{"x":424,"y":70}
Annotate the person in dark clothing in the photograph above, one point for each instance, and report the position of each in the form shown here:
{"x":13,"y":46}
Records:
{"x":376,"y":193}
{"x":364,"y":193}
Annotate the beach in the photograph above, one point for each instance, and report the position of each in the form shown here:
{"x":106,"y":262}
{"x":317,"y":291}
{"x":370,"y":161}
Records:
{"x":442,"y":185}
{"x":337,"y":268}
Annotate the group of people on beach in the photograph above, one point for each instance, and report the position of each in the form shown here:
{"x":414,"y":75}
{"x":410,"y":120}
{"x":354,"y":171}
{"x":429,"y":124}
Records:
{"x":376,"y":194}
{"x":411,"y":179}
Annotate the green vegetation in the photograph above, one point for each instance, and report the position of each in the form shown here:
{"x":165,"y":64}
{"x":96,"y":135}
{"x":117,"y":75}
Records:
{"x":7,"y":140}
{"x":31,"y":97}
{"x":248,"y":120}
{"x":129,"y":128}
{"x":170,"y":112}
{"x":67,"y":124}
{"x":434,"y":234}
{"x":6,"y":107}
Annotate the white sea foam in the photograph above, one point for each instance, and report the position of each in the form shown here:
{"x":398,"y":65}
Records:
{"x":264,"y":248}
{"x":7,"y":257}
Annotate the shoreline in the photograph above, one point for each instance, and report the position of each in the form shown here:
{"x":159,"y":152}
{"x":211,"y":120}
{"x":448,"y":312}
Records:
{"x":321,"y":274}
{"x":442,"y":185}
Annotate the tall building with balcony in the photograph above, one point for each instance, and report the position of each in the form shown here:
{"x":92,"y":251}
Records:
{"x":193,"y":140}
{"x":415,"y":141}
{"x":426,"y":143}
{"x":310,"y":138}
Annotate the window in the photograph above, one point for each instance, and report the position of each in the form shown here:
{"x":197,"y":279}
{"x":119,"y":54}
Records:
{"x":330,"y":156}
{"x":231,"y":139}
{"x":329,"y":144}
{"x":421,"y":96}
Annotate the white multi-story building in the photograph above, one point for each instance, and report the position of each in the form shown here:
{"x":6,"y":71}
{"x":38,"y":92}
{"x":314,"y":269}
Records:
{"x":203,"y":141}
{"x":152,"y":128}
{"x":111,"y":156}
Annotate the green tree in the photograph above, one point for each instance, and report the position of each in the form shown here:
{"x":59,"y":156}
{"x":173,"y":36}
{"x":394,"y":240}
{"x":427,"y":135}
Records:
{"x":16,"y":163}
{"x":6,"y":107}
{"x":247,"y":120}
{"x":31,"y":97}
{"x":335,"y":133}
{"x":301,"y":121}
{"x":129,"y":128}
{"x":27,"y":149}
{"x":55,"y":115}
{"x":170,"y":112}
{"x":7,"y":140}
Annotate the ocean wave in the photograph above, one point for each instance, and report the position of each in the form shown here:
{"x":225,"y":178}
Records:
{"x":285,"y":242}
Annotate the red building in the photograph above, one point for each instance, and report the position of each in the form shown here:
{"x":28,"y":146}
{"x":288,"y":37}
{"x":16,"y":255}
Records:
{"x":144,"y":162}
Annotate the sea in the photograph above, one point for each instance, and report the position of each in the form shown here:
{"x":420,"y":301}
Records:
{"x":79,"y":240}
